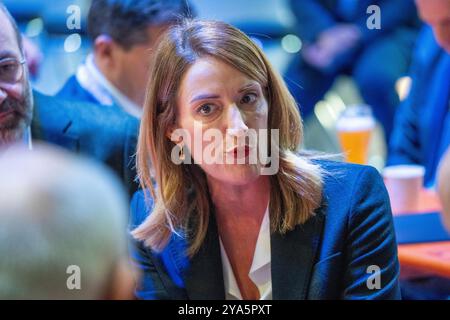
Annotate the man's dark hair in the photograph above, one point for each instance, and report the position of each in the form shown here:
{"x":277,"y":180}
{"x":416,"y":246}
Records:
{"x":14,"y":25}
{"x":126,"y":21}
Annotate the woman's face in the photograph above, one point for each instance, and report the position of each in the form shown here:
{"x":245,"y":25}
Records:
{"x":221,"y":109}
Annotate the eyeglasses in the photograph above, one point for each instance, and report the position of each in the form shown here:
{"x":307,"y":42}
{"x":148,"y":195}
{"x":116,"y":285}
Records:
{"x":11,"y":70}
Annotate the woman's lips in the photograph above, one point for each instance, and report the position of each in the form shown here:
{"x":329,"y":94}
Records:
{"x":237,"y":151}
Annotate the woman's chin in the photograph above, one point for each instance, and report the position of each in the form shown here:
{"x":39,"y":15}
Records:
{"x":235,"y":174}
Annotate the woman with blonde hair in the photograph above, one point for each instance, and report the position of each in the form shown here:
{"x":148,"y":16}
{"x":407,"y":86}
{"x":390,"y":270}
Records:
{"x":232,"y":208}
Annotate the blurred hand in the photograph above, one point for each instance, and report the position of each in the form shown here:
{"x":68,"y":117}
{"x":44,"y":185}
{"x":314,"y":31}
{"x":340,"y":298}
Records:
{"x":330,"y":44}
{"x":33,"y":55}
{"x":316,"y":56}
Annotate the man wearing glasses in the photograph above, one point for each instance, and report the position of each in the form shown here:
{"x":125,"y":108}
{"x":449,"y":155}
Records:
{"x":27,"y":116}
{"x":15,"y":95}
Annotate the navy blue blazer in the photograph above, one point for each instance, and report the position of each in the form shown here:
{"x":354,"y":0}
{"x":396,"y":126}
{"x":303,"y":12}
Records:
{"x":107,"y":135}
{"x":328,"y":257}
{"x":74,"y":91}
{"x":422,"y":121}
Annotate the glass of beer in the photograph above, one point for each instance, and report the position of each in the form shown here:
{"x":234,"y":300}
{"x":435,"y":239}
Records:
{"x":354,"y":127}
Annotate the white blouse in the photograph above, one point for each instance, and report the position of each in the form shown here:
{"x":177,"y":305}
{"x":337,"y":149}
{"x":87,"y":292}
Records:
{"x":260,"y":271}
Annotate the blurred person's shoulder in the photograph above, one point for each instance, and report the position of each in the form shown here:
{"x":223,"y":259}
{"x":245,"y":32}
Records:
{"x":85,"y":116}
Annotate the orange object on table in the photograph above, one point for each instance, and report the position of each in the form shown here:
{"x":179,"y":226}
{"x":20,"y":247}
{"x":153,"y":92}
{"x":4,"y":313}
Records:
{"x":428,"y":257}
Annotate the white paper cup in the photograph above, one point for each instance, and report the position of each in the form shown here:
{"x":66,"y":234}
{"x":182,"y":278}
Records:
{"x":404,"y":184}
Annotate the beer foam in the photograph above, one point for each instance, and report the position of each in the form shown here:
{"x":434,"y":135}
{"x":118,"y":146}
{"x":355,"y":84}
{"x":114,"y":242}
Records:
{"x":355,"y":124}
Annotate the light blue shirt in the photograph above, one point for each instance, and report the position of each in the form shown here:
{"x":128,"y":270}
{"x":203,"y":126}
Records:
{"x":93,"y":81}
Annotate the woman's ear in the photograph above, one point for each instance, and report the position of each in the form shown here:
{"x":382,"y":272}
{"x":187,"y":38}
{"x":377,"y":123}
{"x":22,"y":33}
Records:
{"x":104,"y":50}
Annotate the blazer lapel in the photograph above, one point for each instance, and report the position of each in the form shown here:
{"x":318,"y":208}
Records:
{"x":204,"y":276}
{"x":293,"y":256}
{"x":50,"y":124}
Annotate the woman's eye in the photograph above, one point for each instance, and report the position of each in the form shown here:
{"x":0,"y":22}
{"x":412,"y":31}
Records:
{"x":205,"y":109}
{"x":248,"y":98}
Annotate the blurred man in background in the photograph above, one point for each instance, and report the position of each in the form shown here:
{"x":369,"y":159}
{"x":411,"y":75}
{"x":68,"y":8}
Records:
{"x":62,"y":228}
{"x":421,"y":132}
{"x":422,"y":126}
{"x":123,"y":35}
{"x":338,"y":41}
{"x":436,"y":14}
{"x":27,"y":116}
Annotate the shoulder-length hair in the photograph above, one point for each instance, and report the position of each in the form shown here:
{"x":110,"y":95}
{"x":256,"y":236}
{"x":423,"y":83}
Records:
{"x":181,"y":197}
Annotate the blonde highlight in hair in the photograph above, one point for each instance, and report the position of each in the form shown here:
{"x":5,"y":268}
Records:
{"x":181,"y":198}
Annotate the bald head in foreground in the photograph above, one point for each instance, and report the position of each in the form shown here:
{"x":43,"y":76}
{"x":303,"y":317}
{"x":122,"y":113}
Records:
{"x":62,"y":228}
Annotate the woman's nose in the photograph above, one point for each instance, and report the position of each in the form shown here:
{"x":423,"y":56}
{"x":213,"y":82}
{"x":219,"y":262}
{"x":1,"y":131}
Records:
{"x":236,"y":124}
